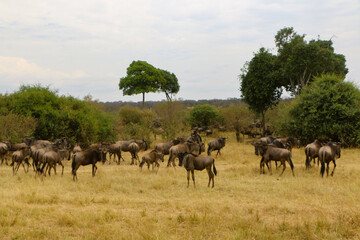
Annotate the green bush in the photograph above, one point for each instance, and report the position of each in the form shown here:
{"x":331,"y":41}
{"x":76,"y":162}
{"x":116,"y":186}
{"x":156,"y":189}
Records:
{"x":134,"y":123}
{"x":328,"y":109}
{"x":205,"y":116}
{"x":172,"y":119}
{"x":59,"y":116}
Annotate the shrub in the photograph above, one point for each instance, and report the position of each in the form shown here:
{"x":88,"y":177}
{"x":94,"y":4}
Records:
{"x":328,"y":109}
{"x":59,"y":116}
{"x":205,"y":116}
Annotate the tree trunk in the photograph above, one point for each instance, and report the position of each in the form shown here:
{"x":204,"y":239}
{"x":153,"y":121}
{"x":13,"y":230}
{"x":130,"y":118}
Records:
{"x":143,"y":103}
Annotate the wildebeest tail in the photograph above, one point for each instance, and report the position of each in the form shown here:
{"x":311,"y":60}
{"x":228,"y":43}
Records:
{"x":291,"y":163}
{"x":322,"y":157}
{"x":214,"y":168}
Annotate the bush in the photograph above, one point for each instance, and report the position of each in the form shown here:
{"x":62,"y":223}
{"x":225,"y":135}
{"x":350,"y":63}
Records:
{"x":59,"y":116}
{"x":15,"y":127}
{"x":134,"y":123}
{"x":172,"y":119}
{"x":328,"y":109}
{"x":205,"y":116}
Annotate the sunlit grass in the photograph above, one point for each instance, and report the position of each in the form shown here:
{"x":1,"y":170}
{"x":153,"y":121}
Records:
{"x":121,"y":202}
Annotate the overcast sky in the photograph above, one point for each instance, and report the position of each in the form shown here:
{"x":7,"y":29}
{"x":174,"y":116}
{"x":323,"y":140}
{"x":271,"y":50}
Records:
{"x":84,"y":47}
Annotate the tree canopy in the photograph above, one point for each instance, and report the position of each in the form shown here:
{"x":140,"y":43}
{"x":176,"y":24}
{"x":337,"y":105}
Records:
{"x":171,"y":85}
{"x":143,"y":78}
{"x":260,"y":86}
{"x":301,"y":61}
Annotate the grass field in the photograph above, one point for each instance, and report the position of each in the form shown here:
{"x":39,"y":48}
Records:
{"x":121,"y":202}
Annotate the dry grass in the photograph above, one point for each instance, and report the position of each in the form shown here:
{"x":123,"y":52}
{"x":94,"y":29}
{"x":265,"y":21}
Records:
{"x":123,"y":203}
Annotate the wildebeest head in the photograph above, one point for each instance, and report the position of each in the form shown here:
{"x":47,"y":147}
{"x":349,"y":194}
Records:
{"x":161,"y":156}
{"x":181,"y":158}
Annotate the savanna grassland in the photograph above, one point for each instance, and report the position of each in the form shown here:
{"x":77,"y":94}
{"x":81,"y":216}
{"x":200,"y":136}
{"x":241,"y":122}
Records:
{"x":121,"y":202}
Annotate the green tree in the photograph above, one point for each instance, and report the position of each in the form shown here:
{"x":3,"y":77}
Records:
{"x":141,"y":78}
{"x":328,"y":109}
{"x":204,"y":116}
{"x":300,"y":61}
{"x":171,"y":85}
{"x":260,"y":86}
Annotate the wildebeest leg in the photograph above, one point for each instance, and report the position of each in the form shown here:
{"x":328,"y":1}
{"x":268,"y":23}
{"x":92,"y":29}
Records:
{"x":148,"y":165}
{"x":62,"y":165}
{"x":74,"y":171}
{"x":211,"y":176}
{"x":17,"y":166}
{"x":327,"y":169}
{"x":188,"y":177}
{"x":284,"y":167}
{"x":270,"y":168}
{"x":218,"y":153}
{"x":332,"y":174}
{"x":193,"y":177}
{"x":94,"y":168}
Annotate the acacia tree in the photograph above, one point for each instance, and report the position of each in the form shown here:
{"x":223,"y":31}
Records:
{"x":141,"y":78}
{"x":300,"y":61}
{"x":171,"y":85}
{"x":260,"y":87}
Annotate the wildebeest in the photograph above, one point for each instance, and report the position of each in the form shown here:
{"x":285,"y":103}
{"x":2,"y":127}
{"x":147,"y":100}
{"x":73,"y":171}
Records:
{"x":3,"y":151}
{"x":216,"y":144}
{"x":89,"y":156}
{"x":271,"y":153}
{"x":53,"y":157}
{"x":124,"y":145}
{"x":152,"y":158}
{"x":134,"y":148}
{"x":165,"y":147}
{"x":18,"y":157}
{"x":327,"y":154}
{"x":114,"y":150}
{"x":181,"y":148}
{"x":194,"y":162}
{"x":312,"y":152}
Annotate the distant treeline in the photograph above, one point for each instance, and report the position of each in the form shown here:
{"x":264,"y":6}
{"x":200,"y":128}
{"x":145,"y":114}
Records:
{"x":115,"y":106}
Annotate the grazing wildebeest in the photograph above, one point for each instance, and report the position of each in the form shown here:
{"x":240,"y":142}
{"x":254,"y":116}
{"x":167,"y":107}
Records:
{"x":194,"y":162}
{"x":327,"y":154}
{"x":181,"y":148}
{"x":216,"y":144}
{"x":18,"y":157}
{"x":312,"y":152}
{"x":3,"y":151}
{"x":53,"y":157}
{"x":271,"y":153}
{"x":89,"y":156}
{"x":152,"y":158}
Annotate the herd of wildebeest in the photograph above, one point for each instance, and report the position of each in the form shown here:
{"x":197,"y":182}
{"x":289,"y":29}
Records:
{"x":45,"y":155}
